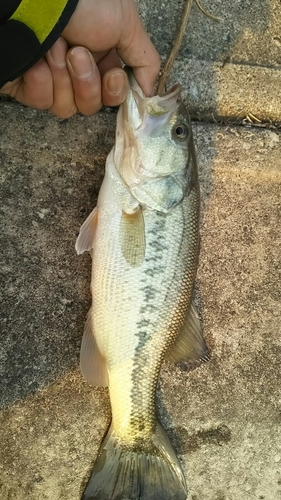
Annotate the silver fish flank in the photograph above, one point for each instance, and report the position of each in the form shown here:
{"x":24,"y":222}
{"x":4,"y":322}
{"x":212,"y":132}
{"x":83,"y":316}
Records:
{"x":144,"y":240}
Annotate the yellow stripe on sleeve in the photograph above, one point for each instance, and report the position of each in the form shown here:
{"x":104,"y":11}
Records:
{"x":40,"y":15}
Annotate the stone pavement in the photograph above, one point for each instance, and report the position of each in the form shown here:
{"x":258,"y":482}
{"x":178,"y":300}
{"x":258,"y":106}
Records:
{"x":224,"y":418}
{"x":228,"y":69}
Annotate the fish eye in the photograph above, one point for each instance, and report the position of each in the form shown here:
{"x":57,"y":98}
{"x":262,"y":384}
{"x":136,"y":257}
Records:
{"x":181,"y":131}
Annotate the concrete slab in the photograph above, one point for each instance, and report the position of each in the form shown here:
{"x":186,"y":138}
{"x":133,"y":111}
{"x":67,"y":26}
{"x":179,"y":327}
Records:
{"x":249,"y":32}
{"x":43,"y":179}
{"x":230,"y":68}
{"x":216,"y":92}
{"x":223,"y":417}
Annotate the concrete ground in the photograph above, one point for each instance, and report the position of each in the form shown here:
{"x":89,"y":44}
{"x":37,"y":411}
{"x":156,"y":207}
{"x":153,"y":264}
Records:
{"x":224,"y":418}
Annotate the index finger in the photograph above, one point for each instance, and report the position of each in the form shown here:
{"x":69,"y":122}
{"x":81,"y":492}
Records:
{"x":136,"y":50}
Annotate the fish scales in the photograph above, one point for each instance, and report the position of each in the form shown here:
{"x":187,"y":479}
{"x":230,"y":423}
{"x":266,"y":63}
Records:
{"x":137,"y":299}
{"x":144,"y":242}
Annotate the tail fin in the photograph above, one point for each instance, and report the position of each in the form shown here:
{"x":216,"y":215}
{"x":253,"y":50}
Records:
{"x":150,"y":472}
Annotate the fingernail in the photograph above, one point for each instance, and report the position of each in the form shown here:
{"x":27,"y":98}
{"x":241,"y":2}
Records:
{"x":116,"y":83}
{"x":80,"y":60}
{"x":58,"y":52}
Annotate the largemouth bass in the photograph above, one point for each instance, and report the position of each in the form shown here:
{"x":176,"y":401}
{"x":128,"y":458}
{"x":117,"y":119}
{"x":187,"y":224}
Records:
{"x":144,"y":239}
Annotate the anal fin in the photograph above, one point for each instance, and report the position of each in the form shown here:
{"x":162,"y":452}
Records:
{"x":92,"y":363}
{"x":190,"y":344}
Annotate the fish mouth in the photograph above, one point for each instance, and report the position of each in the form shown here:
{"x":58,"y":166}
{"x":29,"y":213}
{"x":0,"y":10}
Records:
{"x":173,"y":92}
{"x":139,"y":109}
{"x":158,"y":105}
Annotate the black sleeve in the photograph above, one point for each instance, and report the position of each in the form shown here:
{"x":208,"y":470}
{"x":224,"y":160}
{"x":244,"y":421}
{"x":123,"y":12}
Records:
{"x":28,"y":29}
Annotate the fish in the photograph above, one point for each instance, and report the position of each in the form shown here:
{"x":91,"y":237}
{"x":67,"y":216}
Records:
{"x":143,"y":237}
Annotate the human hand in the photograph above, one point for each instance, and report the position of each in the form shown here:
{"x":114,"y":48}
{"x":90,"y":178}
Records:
{"x":88,"y":75}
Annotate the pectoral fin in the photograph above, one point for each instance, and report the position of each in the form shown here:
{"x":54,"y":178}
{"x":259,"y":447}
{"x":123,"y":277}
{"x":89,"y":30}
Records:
{"x":190,"y":344}
{"x":132,"y":237}
{"x":92,"y":363}
{"x":86,"y":237}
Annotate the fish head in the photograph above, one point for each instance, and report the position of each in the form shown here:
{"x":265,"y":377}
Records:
{"x":153,"y":139}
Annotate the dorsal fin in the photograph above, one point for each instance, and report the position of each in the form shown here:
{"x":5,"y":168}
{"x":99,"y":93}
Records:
{"x":190,"y":344}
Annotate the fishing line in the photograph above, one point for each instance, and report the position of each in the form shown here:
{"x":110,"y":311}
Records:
{"x":165,"y":72}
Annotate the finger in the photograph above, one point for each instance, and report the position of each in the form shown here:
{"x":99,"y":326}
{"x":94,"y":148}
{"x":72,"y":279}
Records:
{"x":114,"y":80}
{"x":63,"y":95}
{"x":136,"y":50}
{"x":114,"y":87}
{"x":86,"y":80}
{"x":36,"y":87}
{"x":108,"y":61}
